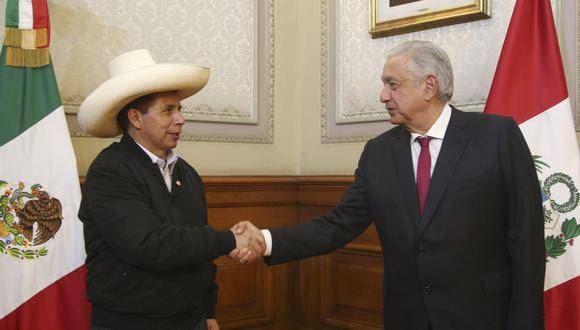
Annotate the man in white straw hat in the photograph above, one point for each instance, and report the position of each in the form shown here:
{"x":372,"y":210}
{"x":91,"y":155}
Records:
{"x":149,"y":247}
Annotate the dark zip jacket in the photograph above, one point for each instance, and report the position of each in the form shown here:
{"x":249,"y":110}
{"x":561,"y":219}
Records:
{"x":149,"y":251}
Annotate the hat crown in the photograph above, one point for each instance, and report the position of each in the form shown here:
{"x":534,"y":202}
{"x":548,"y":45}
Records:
{"x":130,"y":61}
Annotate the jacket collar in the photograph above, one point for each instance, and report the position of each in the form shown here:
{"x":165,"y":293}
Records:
{"x":134,"y":150}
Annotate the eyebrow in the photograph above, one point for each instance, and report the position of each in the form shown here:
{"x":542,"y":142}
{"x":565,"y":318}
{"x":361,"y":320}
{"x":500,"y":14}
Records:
{"x":171,"y":106}
{"x":388,"y":79}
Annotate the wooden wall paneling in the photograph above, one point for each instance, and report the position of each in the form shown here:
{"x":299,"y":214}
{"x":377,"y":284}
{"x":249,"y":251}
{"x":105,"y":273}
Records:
{"x":352,"y":286}
{"x":246,"y":293}
{"x":254,"y":296}
{"x":250,"y":191}
{"x":341,"y":290}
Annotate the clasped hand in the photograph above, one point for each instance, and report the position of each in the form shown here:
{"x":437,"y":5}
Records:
{"x":250,"y":243}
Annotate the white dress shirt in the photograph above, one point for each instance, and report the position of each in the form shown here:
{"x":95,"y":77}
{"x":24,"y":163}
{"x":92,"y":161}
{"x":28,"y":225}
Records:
{"x":436,"y":133}
{"x":166,"y":165}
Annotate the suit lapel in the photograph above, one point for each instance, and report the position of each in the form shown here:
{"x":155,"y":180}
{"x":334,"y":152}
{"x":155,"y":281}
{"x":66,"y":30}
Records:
{"x":454,"y":144}
{"x":402,"y":154}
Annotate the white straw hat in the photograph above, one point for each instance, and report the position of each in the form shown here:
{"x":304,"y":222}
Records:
{"x":133,"y":75}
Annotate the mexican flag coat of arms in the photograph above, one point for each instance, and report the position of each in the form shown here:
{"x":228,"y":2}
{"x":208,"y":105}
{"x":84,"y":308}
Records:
{"x":41,"y":241}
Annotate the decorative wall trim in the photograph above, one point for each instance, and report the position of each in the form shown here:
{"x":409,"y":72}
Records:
{"x":364,"y":115}
{"x":324,"y":71}
{"x":471,"y":107}
{"x":271,"y":60}
{"x":232,"y":119}
{"x":566,"y":19}
{"x":327,"y":91}
{"x":205,"y":112}
{"x":357,"y":119}
{"x":330,"y":115}
{"x":347,"y":139}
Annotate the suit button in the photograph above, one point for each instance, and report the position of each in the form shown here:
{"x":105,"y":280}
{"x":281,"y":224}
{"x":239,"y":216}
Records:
{"x":426,"y":290}
{"x":421,"y":250}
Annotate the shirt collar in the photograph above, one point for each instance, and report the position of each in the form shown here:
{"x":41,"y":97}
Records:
{"x":439,"y":127}
{"x":169,"y":161}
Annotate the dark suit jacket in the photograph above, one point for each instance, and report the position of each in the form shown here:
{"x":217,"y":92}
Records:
{"x":149,"y":251}
{"x":475,"y":259}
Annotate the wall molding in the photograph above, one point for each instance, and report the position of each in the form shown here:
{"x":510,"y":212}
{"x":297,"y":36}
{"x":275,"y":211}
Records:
{"x":359,"y":120}
{"x":327,"y":90}
{"x":219,"y":125}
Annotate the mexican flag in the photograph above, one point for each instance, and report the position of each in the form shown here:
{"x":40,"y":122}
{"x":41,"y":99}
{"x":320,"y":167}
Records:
{"x":41,"y":240}
{"x":529,"y":85}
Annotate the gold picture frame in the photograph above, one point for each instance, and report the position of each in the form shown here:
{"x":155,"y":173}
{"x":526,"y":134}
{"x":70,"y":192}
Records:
{"x":415,"y":15}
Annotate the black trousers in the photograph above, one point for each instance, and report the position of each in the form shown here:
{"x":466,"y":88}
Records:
{"x":202,"y":325}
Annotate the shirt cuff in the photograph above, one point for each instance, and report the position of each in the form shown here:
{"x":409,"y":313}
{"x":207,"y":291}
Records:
{"x":268,"y":239}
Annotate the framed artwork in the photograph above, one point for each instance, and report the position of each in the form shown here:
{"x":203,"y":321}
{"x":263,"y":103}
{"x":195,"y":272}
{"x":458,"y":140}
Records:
{"x":391,"y":17}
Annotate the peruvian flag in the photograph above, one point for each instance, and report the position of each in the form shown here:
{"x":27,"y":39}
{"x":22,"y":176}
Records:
{"x":529,"y":85}
{"x":41,"y":239}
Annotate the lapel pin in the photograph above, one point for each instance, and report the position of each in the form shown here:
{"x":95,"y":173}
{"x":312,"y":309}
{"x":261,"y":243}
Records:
{"x":178,"y":183}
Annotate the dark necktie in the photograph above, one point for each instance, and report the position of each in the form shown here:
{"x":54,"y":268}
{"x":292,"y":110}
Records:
{"x":423,"y":172}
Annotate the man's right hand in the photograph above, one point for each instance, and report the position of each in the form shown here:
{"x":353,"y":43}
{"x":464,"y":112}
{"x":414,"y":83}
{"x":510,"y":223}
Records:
{"x":250,"y":243}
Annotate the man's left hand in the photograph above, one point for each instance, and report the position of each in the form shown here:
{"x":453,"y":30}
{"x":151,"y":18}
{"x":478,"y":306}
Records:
{"x":212,"y":324}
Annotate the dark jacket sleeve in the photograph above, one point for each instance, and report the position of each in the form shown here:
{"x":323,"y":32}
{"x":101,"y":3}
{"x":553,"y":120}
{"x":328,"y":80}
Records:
{"x":211,"y":301}
{"x":119,"y":208}
{"x":525,"y":232}
{"x":329,"y":232}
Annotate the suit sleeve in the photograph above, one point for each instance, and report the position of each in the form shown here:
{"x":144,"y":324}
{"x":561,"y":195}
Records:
{"x":120,"y":211}
{"x":525,"y":232}
{"x":329,"y":232}
{"x":211,"y":301}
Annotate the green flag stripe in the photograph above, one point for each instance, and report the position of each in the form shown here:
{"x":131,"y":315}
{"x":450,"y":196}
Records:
{"x":26,"y":96}
{"x":12,"y":13}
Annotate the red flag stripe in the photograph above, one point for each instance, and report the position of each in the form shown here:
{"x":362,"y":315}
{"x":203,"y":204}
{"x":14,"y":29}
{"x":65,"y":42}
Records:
{"x":529,"y":78}
{"x":40,"y":18}
{"x":563,"y":300}
{"x":62,"y":305}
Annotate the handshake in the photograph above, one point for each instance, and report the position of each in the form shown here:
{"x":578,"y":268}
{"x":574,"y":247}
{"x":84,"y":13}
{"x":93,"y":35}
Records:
{"x":250,"y":242}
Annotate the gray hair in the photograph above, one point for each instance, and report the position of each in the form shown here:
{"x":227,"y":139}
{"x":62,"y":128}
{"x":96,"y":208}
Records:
{"x":425,"y":58}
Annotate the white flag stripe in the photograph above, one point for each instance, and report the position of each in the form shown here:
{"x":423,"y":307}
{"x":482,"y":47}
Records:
{"x":551,"y":135}
{"x":25,"y":14}
{"x":43,"y":154}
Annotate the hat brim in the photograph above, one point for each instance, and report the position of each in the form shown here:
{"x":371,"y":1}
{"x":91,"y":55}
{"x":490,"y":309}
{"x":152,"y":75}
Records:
{"x":97,"y":114}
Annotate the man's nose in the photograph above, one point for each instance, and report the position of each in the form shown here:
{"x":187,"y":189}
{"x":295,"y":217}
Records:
{"x":385,"y":95}
{"x":179,"y":119}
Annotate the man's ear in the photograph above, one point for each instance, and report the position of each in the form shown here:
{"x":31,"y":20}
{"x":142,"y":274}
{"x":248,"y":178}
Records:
{"x":135,"y":118}
{"x":431,"y":87}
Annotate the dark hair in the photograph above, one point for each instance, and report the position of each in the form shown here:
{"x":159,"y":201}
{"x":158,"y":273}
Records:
{"x":142,"y":104}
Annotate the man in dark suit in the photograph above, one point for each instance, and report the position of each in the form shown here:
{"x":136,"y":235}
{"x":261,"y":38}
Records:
{"x":456,"y":203}
{"x":149,"y":246}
